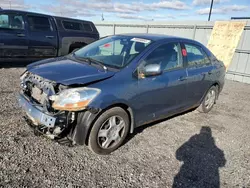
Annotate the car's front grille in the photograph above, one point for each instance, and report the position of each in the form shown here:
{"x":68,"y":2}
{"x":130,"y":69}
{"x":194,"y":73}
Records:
{"x":38,"y":94}
{"x":38,"y":89}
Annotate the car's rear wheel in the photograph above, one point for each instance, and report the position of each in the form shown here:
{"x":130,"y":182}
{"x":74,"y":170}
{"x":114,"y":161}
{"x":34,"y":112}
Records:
{"x":209,"y":100}
{"x":109,"y":131}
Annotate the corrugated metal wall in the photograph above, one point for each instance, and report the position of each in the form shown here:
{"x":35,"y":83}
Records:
{"x":239,"y":70}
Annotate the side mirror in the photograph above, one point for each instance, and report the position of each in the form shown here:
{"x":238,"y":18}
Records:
{"x":152,"y":70}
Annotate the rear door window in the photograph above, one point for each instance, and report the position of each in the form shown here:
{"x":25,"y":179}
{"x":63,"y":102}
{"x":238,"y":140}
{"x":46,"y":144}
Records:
{"x":196,"y":55}
{"x":11,"y":21}
{"x":39,"y":23}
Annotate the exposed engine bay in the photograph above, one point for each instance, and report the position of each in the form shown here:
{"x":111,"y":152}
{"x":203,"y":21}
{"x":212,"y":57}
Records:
{"x":55,"y":123}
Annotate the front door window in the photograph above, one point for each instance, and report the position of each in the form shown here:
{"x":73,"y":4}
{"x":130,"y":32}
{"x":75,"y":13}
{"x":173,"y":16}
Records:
{"x":168,"y":56}
{"x":11,"y":21}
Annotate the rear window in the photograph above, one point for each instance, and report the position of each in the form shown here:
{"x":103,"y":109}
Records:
{"x":87,"y":27}
{"x":72,"y":25}
{"x":77,"y":26}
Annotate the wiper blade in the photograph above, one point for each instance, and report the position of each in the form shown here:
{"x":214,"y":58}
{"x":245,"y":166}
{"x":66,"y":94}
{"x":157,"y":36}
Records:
{"x":91,"y":60}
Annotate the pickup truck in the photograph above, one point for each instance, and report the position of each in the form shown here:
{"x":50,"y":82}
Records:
{"x":33,"y":36}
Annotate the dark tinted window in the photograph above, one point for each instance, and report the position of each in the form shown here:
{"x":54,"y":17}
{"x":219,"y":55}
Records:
{"x":11,"y":21}
{"x":87,"y":27}
{"x":77,"y":26}
{"x":196,"y":55}
{"x":72,"y":25}
{"x":168,"y":56}
{"x":38,"y":23}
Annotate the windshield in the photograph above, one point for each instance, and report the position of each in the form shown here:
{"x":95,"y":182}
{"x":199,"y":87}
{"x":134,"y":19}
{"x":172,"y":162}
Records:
{"x":114,"y":51}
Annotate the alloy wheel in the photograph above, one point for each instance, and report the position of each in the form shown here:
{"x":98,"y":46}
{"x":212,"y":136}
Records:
{"x":111,"y":132}
{"x":210,"y":99}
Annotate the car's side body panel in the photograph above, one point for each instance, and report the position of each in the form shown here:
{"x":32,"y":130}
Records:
{"x":67,"y":41}
{"x":201,"y":77}
{"x":42,"y":44}
{"x":78,"y":38}
{"x":14,"y":42}
{"x":145,"y":96}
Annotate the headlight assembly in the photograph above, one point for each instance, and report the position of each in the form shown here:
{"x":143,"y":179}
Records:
{"x":74,"y":99}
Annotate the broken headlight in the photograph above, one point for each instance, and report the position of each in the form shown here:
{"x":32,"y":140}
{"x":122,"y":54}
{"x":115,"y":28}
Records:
{"x":74,"y":99}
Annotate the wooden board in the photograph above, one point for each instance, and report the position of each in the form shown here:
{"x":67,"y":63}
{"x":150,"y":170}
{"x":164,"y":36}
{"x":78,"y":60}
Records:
{"x":224,"y":39}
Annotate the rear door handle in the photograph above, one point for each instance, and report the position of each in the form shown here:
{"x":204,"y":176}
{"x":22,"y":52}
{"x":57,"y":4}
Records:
{"x":20,"y":35}
{"x":182,"y":78}
{"x":50,"y":37}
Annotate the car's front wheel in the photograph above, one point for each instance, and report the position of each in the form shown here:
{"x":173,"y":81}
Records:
{"x":109,"y":131}
{"x":209,"y":100}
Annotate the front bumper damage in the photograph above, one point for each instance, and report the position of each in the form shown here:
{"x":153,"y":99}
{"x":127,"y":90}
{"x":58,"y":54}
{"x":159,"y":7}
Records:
{"x":35,"y":113}
{"x":51,"y":126}
{"x":34,"y":100}
{"x":58,"y":125}
{"x":66,"y":129}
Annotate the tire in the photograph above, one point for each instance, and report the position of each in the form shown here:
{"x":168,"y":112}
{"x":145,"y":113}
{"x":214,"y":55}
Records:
{"x":204,"y":107}
{"x":109,"y":131}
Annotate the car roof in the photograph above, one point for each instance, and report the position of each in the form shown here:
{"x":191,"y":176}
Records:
{"x":160,"y":37}
{"x":149,"y":36}
{"x":27,"y":12}
{"x":20,"y":11}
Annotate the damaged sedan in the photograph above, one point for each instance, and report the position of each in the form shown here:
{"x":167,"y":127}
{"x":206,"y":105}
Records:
{"x":100,"y":93}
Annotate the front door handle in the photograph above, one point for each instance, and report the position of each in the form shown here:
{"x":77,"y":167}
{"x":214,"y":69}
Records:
{"x":182,"y":78}
{"x":20,"y":35}
{"x":50,"y":37}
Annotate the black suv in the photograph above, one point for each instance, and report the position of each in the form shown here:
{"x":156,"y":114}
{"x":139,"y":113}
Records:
{"x":31,"y":36}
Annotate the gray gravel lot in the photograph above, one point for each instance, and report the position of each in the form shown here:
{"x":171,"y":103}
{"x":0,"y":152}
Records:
{"x":170,"y":152}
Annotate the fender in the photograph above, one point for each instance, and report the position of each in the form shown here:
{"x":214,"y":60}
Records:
{"x":67,"y":41}
{"x":204,"y":95}
{"x":85,"y":121}
{"x":80,"y":132}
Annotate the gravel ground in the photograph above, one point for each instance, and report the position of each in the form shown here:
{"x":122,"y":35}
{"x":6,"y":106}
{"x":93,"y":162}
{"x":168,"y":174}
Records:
{"x":190,"y":150}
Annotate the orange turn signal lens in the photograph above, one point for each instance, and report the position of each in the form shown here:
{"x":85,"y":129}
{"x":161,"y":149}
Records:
{"x":72,"y":107}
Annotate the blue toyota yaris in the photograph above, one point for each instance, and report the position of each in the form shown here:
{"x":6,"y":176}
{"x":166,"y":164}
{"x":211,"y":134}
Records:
{"x":102,"y":92}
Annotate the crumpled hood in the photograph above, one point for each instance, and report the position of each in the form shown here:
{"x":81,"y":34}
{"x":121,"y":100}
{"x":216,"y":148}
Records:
{"x":67,"y":72}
